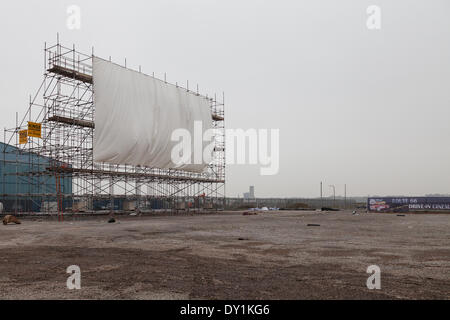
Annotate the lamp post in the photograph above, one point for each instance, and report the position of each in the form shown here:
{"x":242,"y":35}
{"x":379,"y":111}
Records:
{"x":321,"y":198}
{"x":345,"y":196}
{"x":334,"y":194}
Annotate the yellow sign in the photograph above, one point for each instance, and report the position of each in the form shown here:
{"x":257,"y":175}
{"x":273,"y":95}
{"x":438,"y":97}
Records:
{"x":34,"y":129}
{"x":23,"y":136}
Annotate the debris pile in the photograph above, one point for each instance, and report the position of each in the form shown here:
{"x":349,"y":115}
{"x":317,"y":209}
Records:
{"x":10,"y":219}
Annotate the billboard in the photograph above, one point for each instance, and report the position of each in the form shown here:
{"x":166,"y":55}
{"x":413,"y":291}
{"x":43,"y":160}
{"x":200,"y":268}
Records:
{"x":405,"y":204}
{"x":136,"y":117}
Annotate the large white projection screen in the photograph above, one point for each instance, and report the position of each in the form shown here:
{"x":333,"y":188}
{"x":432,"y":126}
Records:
{"x":135,"y":116}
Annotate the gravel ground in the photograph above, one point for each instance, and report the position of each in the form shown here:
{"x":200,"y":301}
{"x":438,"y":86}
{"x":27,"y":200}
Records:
{"x":272,"y":255}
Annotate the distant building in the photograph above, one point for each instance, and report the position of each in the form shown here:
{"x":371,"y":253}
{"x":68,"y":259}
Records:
{"x":250,"y":194}
{"x":21,"y":191}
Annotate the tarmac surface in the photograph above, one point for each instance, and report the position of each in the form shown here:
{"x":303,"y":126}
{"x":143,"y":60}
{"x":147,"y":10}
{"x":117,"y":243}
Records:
{"x":271,"y":255}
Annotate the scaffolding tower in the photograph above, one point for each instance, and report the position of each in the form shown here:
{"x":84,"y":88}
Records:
{"x":65,"y":108}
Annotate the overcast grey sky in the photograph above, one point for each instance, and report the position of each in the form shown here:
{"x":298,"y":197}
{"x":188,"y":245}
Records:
{"x":369,"y":108}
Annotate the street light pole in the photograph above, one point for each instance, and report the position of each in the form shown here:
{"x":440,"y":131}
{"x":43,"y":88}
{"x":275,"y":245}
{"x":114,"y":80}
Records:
{"x":345,"y":196}
{"x":321,"y":198}
{"x":334,"y":194}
